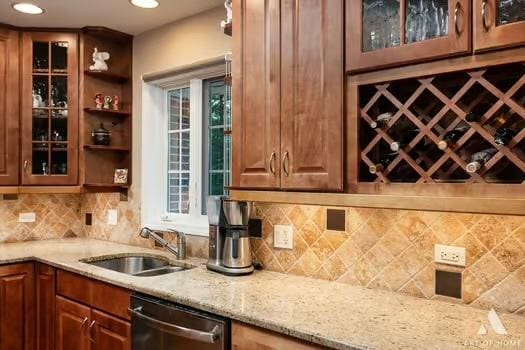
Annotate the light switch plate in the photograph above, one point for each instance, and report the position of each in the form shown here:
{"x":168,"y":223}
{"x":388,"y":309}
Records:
{"x":26,"y":217}
{"x":112,"y":217}
{"x":283,"y":236}
{"x":444,"y":254}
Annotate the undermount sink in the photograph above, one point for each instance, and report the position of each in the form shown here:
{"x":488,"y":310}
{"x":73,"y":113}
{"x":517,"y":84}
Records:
{"x":143,"y":266}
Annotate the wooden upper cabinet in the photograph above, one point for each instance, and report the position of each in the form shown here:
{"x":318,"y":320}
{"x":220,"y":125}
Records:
{"x":49,"y":102}
{"x":72,"y":325}
{"x":9,"y":115}
{"x":498,"y":24}
{"x":381,"y":33}
{"x":312,"y":72}
{"x":16,"y":307}
{"x":256,"y":94}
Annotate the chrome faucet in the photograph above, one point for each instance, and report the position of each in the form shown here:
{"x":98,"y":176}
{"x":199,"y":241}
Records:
{"x":179,"y":250}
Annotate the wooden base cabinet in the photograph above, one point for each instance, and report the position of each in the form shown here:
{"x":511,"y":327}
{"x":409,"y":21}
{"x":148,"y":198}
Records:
{"x":17,"y":311}
{"x":45,"y":307}
{"x":246,"y":337}
{"x":72,"y":323}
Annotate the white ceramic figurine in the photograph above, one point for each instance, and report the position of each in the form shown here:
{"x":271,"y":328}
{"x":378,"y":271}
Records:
{"x":99,"y":59}
{"x":229,"y":16}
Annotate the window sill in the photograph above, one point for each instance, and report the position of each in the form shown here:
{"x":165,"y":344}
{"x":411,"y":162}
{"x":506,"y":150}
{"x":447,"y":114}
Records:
{"x":194,"y":229}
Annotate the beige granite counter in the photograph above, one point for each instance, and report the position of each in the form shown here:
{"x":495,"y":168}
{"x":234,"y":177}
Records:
{"x":332,"y":314}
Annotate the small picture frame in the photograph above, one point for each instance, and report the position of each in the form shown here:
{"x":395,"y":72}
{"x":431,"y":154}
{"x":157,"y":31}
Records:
{"x":121,"y":176}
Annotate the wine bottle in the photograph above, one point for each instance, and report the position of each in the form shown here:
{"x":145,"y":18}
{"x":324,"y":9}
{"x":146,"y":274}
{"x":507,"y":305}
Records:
{"x":404,"y":140}
{"x":452,"y":136}
{"x":479,"y":159}
{"x":504,"y":135}
{"x":382,"y":164}
{"x":381,"y":120}
{"x":472,"y":117}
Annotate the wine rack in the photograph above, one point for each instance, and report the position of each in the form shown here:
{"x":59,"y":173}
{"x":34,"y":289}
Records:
{"x":418,"y":114}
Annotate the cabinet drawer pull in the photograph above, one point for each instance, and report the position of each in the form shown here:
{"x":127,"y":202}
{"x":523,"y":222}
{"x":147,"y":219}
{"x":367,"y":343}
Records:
{"x":272,"y":163}
{"x":286,"y":161}
{"x":484,"y":16}
{"x":91,"y":339}
{"x":457,"y":11}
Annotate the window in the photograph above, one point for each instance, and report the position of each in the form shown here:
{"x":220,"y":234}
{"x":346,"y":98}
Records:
{"x":186,"y":147}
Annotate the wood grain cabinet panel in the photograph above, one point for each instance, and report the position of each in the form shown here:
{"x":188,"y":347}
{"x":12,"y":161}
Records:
{"x":110,"y":333}
{"x":395,"y":32}
{"x":312,"y":94}
{"x":498,"y":24}
{"x":246,"y":337}
{"x":9,"y":107}
{"x":45,"y":307}
{"x":256,"y":94}
{"x":72,"y":322}
{"x":16,"y":307}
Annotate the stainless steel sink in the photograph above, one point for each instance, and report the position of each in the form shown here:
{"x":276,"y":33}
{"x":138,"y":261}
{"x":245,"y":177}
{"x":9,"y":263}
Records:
{"x":137,"y":265}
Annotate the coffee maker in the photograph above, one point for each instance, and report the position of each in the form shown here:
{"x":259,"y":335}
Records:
{"x":229,"y":249}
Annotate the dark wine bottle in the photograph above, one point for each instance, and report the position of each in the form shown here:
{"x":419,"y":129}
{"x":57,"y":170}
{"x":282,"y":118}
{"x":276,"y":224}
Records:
{"x":404,"y":139}
{"x":504,"y":135}
{"x":381,"y":120}
{"x":479,"y":159}
{"x":472,"y":117}
{"x":452,"y":136}
{"x":382,"y":164}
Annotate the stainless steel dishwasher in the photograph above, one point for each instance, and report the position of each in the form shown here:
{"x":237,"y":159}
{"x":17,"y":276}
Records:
{"x":160,"y":325}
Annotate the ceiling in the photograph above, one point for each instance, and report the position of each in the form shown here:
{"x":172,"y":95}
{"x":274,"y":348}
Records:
{"x":114,"y":14}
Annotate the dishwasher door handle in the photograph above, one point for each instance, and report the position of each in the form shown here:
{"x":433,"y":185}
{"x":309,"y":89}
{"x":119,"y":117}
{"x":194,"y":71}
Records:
{"x":188,"y":333}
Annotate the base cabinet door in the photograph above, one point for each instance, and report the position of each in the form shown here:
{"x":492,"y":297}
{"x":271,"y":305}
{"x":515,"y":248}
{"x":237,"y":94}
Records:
{"x":109,"y":333}
{"x":251,"y":338}
{"x":45,"y":307}
{"x":498,"y":24}
{"x":312,"y":99}
{"x":16,"y":307}
{"x":72,"y":325}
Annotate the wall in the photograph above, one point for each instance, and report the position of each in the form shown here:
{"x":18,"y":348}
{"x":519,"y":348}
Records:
{"x":57,"y":216}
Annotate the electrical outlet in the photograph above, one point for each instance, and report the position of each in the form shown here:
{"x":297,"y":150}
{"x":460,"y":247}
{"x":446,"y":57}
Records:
{"x":26,"y":217}
{"x":444,"y":254}
{"x":112,"y":217}
{"x":283,"y":236}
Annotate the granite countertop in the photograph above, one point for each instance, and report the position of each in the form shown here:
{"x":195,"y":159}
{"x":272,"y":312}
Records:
{"x":327,"y":313}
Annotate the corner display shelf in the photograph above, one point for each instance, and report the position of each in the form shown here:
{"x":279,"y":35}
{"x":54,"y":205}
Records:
{"x":100,"y":162}
{"x":418,"y":113}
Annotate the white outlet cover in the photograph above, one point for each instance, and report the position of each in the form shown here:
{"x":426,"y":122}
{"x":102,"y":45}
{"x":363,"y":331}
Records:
{"x":112,"y":217}
{"x":450,"y":255}
{"x":283,"y":236}
{"x":26,"y":217}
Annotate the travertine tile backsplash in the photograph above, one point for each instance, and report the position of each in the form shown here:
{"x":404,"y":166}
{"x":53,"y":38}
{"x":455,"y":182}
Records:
{"x":57,"y":216}
{"x":380,"y":248}
{"x":393,"y":250}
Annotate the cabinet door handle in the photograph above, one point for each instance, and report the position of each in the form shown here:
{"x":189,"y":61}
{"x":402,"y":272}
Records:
{"x":84,"y":322}
{"x":26,"y":165}
{"x":457,"y":11}
{"x":286,"y":161}
{"x":91,"y":339}
{"x":272,"y":163}
{"x":484,"y":16}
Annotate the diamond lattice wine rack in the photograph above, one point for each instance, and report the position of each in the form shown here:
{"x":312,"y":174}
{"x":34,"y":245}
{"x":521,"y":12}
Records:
{"x":462,"y":127}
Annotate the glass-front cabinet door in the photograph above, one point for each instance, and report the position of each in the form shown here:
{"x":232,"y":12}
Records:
{"x":383,"y":33}
{"x":49,"y":109}
{"x":498,"y":23}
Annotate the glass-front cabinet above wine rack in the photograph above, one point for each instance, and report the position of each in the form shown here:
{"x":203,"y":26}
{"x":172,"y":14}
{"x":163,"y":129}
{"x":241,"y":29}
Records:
{"x":402,"y":31}
{"x":498,"y":23}
{"x":49,"y":109}
{"x":464,"y":127}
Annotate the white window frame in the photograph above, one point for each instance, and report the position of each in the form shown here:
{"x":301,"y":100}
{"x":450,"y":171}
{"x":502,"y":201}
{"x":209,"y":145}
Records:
{"x":154,"y":211}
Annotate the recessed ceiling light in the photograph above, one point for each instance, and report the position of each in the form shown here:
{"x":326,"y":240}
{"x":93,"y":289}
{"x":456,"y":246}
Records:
{"x":145,"y":4}
{"x":28,"y":8}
